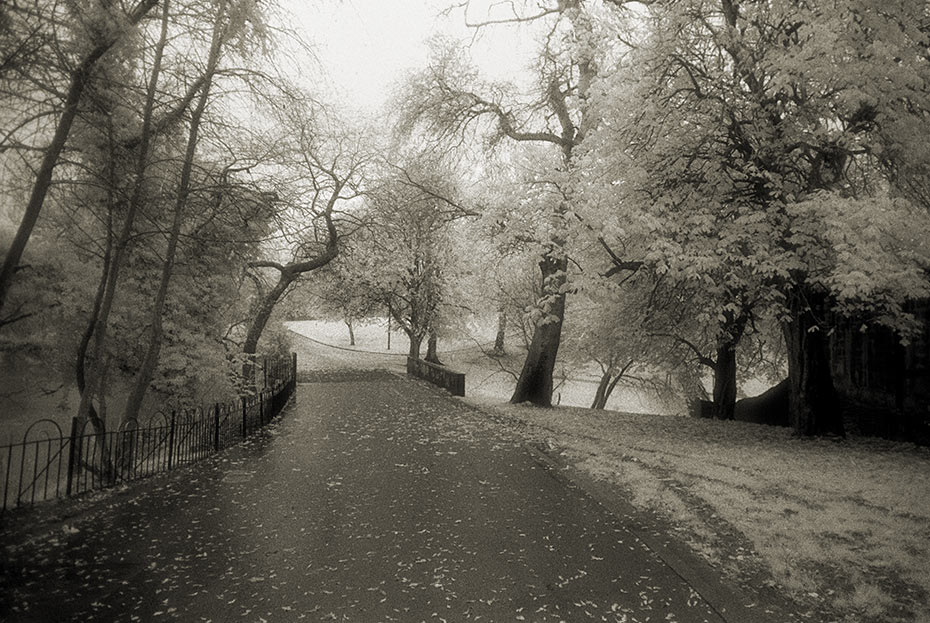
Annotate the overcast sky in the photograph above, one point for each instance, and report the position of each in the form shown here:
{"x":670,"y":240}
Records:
{"x":366,"y":45}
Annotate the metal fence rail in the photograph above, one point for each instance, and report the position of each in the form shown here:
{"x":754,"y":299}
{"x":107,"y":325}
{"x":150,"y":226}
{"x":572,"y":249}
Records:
{"x":48,"y":464}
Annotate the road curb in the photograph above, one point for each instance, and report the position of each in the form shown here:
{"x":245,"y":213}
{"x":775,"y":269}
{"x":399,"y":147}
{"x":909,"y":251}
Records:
{"x":729,"y":602}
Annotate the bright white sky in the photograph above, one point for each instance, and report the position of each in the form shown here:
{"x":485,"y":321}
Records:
{"x":367,"y":45}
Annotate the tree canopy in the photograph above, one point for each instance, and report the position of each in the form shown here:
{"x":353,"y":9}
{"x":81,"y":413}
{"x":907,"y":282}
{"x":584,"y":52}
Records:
{"x":682,"y":191}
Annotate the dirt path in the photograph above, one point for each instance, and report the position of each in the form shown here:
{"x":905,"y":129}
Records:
{"x":375,"y":498}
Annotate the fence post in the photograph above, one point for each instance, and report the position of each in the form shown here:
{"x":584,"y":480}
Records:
{"x":264,"y":372}
{"x":293,"y":382}
{"x":261,"y":408}
{"x":171,"y":441}
{"x":244,"y":416}
{"x":216,"y":427}
{"x":73,"y":455}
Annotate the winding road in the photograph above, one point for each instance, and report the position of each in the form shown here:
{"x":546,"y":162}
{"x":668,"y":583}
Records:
{"x":374,"y":498}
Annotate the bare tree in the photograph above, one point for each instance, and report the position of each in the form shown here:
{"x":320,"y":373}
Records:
{"x":328,"y":182}
{"x":79,"y":76}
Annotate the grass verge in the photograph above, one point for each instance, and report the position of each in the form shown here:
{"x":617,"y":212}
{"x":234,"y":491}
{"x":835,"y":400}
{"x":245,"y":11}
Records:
{"x":841,"y":526}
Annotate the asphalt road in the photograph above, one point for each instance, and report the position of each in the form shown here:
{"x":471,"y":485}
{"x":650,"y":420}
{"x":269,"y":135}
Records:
{"x":374,"y":498}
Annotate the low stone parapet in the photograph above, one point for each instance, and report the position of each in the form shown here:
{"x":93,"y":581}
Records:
{"x":454,"y":382}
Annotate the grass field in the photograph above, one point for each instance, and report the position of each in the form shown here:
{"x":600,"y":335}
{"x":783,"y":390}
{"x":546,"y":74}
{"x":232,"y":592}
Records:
{"x":487,"y":378}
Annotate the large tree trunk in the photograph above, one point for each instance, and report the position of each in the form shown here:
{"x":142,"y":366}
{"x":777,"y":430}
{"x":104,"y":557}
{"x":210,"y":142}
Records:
{"x":812,"y":404}
{"x":79,"y":78}
{"x":724,"y":405}
{"x":535,"y":382}
{"x":415,"y":341}
{"x":724,"y":397}
{"x":431,"y":347}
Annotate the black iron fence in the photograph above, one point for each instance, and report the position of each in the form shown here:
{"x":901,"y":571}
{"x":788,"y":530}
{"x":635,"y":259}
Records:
{"x":48,"y":464}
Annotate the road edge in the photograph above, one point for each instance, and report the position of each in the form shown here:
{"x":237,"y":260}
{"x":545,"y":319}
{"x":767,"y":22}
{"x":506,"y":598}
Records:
{"x":731,"y":603}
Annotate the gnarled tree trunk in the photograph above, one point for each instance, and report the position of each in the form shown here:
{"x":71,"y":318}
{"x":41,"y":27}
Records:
{"x":535,"y":382}
{"x":259,"y":320}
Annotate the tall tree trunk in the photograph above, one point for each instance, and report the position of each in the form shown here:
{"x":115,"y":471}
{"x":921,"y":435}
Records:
{"x":431,"y":349}
{"x":535,"y":382}
{"x":607,"y":385}
{"x":99,"y":321}
{"x":156,"y":319}
{"x":501,"y":332}
{"x":812,"y":403}
{"x":613,"y":385}
{"x":86,"y":407}
{"x":599,"y":399}
{"x":156,"y":330}
{"x":43,"y":181}
{"x":724,"y":396}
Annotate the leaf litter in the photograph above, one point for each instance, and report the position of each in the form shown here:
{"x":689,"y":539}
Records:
{"x":445,"y":516}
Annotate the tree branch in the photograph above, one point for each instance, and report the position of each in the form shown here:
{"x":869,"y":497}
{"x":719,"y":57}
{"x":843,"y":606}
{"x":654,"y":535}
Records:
{"x":701,"y":357}
{"x":619,"y":264}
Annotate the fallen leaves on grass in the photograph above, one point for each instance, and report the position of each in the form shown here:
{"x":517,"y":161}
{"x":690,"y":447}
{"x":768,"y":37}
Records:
{"x":842,"y":525}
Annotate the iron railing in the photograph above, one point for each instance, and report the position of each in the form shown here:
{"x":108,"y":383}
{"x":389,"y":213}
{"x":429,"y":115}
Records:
{"x":47,"y":464}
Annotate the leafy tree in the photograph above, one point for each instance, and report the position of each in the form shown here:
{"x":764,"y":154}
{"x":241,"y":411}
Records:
{"x":408,"y":253}
{"x":449,"y":98}
{"x":744,"y":131}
